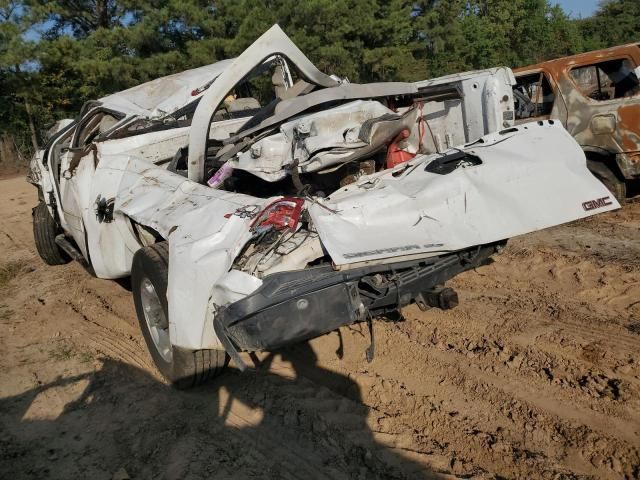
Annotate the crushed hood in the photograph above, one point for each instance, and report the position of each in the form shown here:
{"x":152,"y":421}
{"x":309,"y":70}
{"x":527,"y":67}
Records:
{"x":165,"y":95}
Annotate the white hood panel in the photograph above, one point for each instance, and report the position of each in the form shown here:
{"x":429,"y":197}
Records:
{"x":533,"y":178}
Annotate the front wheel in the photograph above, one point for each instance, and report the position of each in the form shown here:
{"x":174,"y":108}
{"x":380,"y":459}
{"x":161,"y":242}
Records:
{"x":45,"y":230}
{"x":149,"y":278}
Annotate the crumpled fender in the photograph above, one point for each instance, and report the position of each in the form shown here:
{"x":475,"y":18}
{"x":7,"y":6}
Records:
{"x":205,"y":229}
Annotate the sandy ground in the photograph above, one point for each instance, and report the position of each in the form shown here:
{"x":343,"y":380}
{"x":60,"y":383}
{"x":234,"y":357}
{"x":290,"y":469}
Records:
{"x":535,"y":375}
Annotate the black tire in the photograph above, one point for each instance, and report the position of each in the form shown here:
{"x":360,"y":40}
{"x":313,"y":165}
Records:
{"x":608,"y":178}
{"x":186,"y":368}
{"x":45,"y":230}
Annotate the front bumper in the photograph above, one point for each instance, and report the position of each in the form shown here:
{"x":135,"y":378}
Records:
{"x":291,"y":307}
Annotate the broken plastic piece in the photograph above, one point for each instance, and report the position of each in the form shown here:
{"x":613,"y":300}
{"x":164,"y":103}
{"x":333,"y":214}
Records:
{"x":448,"y":162}
{"x":283,"y":213}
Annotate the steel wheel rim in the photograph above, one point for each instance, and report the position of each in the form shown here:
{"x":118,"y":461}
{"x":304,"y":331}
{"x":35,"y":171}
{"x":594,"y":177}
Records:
{"x":157,"y":322}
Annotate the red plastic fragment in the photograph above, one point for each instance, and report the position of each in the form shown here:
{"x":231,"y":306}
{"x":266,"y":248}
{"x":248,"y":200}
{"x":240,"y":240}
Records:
{"x":395,"y":155}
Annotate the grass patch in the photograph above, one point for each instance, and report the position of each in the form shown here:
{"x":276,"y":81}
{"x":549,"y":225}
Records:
{"x":63,"y":351}
{"x":86,"y":357}
{"x":66,"y":350}
{"x":5,"y":312}
{"x":10,"y":270}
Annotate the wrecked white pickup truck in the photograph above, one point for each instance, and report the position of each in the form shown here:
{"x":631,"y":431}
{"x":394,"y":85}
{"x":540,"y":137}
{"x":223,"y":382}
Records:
{"x":258,"y":202}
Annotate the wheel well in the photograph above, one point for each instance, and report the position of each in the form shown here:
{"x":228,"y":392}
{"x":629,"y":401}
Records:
{"x":145,"y":235}
{"x":606,"y":159}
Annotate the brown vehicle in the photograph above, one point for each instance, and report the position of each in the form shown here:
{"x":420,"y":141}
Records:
{"x":596,"y":95}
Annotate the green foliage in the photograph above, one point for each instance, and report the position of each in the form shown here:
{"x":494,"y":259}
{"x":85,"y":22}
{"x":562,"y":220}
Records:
{"x":616,"y":22}
{"x":89,"y":48}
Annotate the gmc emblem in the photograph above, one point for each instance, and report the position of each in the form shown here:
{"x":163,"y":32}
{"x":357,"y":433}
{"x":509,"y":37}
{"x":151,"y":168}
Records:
{"x":597,"y":203}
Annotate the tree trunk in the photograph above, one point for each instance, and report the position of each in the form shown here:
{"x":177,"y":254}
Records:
{"x":102,"y":13}
{"x":8,"y":153}
{"x":4,"y":157}
{"x":32,"y":126}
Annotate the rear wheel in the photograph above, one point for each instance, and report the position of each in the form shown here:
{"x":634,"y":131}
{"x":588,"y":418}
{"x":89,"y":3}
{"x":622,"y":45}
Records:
{"x":183,"y":368}
{"x":45,"y":230}
{"x":608,"y":178}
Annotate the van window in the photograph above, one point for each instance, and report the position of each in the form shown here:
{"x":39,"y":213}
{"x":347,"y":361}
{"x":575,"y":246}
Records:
{"x":533,"y":96}
{"x":607,"y":80}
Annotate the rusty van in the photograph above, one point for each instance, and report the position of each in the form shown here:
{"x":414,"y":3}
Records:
{"x":596,"y":96}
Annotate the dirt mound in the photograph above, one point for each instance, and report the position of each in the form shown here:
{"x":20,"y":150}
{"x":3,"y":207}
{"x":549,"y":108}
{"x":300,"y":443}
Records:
{"x":536,"y":374}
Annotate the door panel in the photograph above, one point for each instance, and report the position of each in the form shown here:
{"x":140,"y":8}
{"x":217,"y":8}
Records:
{"x":75,"y":179}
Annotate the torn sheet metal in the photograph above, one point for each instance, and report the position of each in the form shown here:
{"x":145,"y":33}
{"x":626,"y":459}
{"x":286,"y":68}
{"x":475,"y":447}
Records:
{"x":324,"y":139}
{"x":294,"y":252}
{"x":486,"y":102}
{"x":273,"y":42}
{"x":205,"y":233}
{"x":205,"y":236}
{"x":531,"y":177}
{"x":154,"y":146}
{"x":345,"y":91}
{"x":165,"y":95}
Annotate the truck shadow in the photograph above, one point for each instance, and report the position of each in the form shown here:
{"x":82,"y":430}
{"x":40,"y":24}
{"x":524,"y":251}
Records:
{"x":120,"y":422}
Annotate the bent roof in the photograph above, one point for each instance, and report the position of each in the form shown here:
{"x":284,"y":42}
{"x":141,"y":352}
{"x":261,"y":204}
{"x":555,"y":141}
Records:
{"x":164,"y":95}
